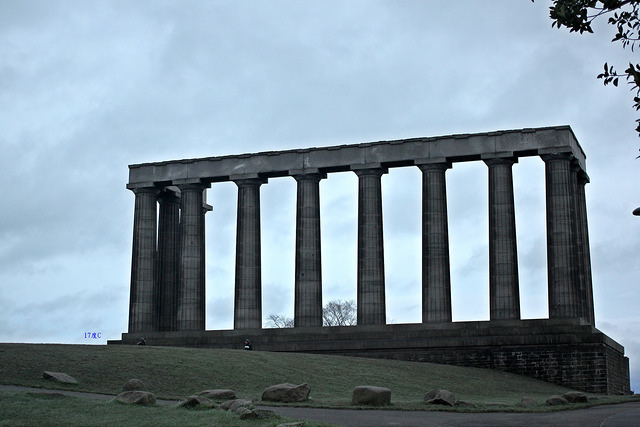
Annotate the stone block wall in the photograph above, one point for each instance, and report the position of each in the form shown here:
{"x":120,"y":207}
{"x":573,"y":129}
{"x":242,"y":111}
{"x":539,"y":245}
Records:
{"x":591,"y":368}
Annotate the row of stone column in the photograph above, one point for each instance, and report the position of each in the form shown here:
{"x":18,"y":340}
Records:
{"x":168,"y":261}
{"x":158,"y":304}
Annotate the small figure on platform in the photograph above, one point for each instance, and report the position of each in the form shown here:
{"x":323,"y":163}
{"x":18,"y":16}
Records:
{"x":247,"y":345}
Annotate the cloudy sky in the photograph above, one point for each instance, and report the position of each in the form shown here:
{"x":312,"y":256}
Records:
{"x":87,"y":88}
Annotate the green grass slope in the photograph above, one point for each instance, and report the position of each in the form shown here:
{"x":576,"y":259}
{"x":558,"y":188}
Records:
{"x":174,"y":373}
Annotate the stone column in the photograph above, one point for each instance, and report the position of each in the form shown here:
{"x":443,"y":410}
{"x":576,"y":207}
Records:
{"x":371,"y":284}
{"x":143,"y":299}
{"x":168,"y":260}
{"x":563,"y":302}
{"x":248,"y":291}
{"x":584,"y":253}
{"x":191,"y":305}
{"x":308,"y":276}
{"x":503,"y":257}
{"x":436,"y":275}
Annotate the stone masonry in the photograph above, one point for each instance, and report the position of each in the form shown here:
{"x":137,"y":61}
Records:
{"x":167,"y":301}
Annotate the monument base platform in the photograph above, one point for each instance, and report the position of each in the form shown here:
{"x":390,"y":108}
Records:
{"x":568,"y":352}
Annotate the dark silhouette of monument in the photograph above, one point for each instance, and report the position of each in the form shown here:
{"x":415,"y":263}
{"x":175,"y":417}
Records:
{"x":167,"y":300}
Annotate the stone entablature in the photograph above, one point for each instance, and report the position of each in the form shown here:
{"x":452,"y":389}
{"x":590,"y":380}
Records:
{"x":168,"y":259}
{"x":386,"y":154}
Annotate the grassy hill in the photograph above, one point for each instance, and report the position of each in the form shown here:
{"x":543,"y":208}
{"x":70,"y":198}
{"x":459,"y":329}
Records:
{"x":173,"y":373}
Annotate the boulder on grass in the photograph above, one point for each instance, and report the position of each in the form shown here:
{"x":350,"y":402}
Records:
{"x":244,"y":413}
{"x":557,"y":400}
{"x":440,"y":397}
{"x":194,"y":401}
{"x":60,"y":377}
{"x":133,"y":384}
{"x":371,"y":395}
{"x":575,"y":397}
{"x":136,"y":397}
{"x":261,"y":414}
{"x":287,"y":393}
{"x":528,"y":402}
{"x":218,"y":394}
{"x":233,"y":405}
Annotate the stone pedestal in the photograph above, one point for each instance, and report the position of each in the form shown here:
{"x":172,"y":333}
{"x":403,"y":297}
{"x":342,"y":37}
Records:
{"x":568,"y":352}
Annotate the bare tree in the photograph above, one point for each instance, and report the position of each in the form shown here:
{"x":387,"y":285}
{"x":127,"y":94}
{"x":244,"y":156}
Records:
{"x":334,"y":313}
{"x":278,"y":321}
{"x":340,"y":313}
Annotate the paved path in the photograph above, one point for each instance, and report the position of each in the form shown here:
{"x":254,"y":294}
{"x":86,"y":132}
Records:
{"x":619,"y":415}
{"x":73,"y":393}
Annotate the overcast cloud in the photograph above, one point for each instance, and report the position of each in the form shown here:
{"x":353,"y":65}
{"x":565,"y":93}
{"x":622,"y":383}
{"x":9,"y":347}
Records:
{"x":87,"y":88}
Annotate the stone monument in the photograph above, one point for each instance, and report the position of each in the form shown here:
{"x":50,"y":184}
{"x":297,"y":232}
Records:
{"x":167,"y":301}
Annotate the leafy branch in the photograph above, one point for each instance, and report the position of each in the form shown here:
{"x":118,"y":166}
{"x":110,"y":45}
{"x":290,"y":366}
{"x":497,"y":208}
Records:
{"x":578,"y":15}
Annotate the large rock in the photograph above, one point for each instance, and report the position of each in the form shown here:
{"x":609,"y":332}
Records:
{"x":218,"y":394}
{"x":136,"y":397}
{"x":528,"y":402}
{"x":440,"y":397}
{"x":60,"y":377}
{"x":233,"y":405}
{"x":557,"y":400}
{"x":133,"y":384}
{"x":575,"y":397}
{"x":194,"y":401}
{"x":261,"y":414}
{"x":244,"y":413}
{"x":287,"y":393}
{"x":371,"y":395}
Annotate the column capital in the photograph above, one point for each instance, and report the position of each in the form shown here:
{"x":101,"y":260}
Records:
{"x":583,"y":178}
{"x":252,"y":179}
{"x":491,"y":160}
{"x":144,"y":190}
{"x":556,"y":155}
{"x":168,"y":195}
{"x":436,"y":164}
{"x":192,"y":185}
{"x":307,"y":175}
{"x":369,"y":169}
